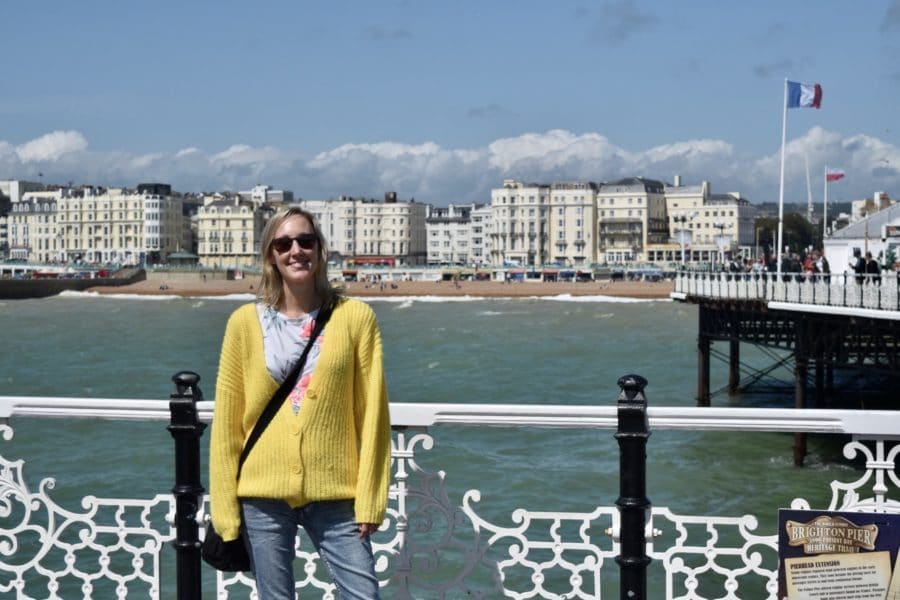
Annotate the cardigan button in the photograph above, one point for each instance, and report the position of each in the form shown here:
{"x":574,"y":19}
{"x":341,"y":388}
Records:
{"x":296,"y":468}
{"x":311,"y":394}
{"x":295,"y":429}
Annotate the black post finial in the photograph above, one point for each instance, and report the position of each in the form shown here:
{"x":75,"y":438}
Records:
{"x":187,"y":381}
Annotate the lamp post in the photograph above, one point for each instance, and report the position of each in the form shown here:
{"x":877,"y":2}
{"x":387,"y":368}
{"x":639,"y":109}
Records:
{"x":683,"y":233}
{"x":721,"y":239}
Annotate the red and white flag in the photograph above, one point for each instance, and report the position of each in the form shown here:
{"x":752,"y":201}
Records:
{"x":833,"y":174}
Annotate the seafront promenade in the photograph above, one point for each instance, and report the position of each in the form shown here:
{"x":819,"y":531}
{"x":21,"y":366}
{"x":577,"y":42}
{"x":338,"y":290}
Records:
{"x":482,"y":289}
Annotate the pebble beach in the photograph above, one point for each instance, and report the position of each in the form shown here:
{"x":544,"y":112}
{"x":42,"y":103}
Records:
{"x":484,"y":289}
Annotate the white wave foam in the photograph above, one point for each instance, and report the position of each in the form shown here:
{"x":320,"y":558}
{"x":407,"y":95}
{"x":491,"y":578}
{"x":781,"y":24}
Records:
{"x":402,"y":301}
{"x":74,"y":294}
{"x":244,"y":297}
{"x":601,"y":298}
{"x":406,"y":301}
{"x":409,"y":299}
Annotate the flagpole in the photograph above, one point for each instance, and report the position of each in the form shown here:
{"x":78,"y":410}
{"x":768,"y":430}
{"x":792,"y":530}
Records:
{"x":781,"y":185}
{"x":825,"y":210}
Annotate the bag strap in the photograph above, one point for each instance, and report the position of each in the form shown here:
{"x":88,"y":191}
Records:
{"x":284,"y":389}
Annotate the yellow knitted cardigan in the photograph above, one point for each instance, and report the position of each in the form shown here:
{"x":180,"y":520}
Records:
{"x":337,"y":447}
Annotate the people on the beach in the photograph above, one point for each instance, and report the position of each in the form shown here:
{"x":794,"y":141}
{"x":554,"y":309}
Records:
{"x":323,"y":462}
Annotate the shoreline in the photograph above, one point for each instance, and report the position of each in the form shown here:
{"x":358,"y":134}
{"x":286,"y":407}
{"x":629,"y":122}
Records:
{"x":643,"y":290}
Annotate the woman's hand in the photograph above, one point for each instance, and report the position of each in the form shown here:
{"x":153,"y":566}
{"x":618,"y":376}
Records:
{"x":365,"y":529}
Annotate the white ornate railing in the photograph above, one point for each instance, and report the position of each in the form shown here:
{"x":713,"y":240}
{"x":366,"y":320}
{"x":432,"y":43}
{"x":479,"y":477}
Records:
{"x":841,"y":291}
{"x":115,"y":547}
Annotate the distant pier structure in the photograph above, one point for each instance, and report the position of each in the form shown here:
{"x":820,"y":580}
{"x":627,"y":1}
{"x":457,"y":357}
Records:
{"x":825,"y":324}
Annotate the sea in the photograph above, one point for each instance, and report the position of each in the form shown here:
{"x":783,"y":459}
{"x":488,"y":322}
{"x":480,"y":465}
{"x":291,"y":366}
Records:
{"x":548,"y":350}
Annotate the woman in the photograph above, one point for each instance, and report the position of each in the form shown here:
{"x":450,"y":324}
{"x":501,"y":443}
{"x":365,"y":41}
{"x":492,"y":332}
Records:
{"x":323,"y":463}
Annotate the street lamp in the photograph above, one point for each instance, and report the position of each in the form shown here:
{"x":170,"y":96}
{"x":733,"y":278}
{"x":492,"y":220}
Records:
{"x":720,"y":241}
{"x":684,"y":234}
{"x":758,"y":229}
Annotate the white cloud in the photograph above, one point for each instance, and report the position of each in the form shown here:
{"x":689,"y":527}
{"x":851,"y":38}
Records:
{"x":431,"y":173}
{"x":52,"y":146}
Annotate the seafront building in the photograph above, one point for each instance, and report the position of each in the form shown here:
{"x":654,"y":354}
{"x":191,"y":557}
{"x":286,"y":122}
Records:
{"x":15,"y":189}
{"x":264,"y":195}
{"x":567,"y":224}
{"x":518,"y":224}
{"x":32,"y":227}
{"x":572,"y":223}
{"x":455,"y":236}
{"x":229,"y":229}
{"x":706,"y":226}
{"x":365,"y":231}
{"x":632,"y":218}
{"x":5,"y":208}
{"x":97,"y":225}
{"x":878,"y":233}
{"x":629,"y":220}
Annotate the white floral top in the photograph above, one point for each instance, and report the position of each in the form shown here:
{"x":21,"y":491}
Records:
{"x":284,"y":339}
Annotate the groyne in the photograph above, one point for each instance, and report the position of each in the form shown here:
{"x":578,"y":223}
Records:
{"x":23,"y":289}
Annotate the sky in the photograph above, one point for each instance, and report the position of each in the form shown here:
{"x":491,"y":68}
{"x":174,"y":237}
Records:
{"x":442,"y":101}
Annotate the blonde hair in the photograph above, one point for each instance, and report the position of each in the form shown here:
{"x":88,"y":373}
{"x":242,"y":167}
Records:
{"x":271,"y":286}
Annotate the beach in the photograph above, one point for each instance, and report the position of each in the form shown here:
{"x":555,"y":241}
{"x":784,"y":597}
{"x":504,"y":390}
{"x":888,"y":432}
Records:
{"x":479,"y":289}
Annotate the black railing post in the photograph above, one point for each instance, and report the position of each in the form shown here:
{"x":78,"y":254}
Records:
{"x":634,"y":506}
{"x":187,"y":429}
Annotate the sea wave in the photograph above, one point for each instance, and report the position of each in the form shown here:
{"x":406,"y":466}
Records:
{"x":74,"y":294}
{"x":407,"y":300}
{"x":601,"y":298}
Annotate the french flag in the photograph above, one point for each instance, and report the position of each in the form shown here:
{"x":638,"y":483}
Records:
{"x":804,"y":95}
{"x":833,"y":174}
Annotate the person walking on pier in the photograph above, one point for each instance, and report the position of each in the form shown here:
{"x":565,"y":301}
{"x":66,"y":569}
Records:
{"x":323,"y":462}
{"x":873,"y":271}
{"x":858,"y":264}
{"x":823,"y":269}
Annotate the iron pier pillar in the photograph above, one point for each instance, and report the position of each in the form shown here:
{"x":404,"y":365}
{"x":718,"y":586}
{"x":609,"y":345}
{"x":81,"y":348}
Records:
{"x":734,"y":364}
{"x":801,"y":369}
{"x":703,"y":350}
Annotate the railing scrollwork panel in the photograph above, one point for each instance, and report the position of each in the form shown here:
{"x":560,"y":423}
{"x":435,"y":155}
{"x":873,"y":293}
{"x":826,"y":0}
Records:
{"x":439,"y":541}
{"x":110,"y":549}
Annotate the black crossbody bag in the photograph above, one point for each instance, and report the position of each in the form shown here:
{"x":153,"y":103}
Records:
{"x":232,"y":556}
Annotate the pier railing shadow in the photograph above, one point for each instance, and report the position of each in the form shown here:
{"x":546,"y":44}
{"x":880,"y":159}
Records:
{"x":433,"y":544}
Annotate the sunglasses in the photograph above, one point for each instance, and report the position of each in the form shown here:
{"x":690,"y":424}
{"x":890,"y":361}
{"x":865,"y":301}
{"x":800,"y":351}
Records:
{"x":306,"y":241}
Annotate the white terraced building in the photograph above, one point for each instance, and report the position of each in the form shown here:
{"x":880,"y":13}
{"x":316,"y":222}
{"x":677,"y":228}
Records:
{"x":229,"y":228}
{"x":451,"y":232}
{"x":365,"y":231}
{"x":31,"y":228}
{"x":628,"y":220}
{"x":712,"y":225}
{"x":97,"y":225}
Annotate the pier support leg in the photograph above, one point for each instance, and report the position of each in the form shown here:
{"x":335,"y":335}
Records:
{"x":820,"y":382}
{"x":801,"y":368}
{"x":634,"y":506}
{"x":734,"y":365}
{"x":703,"y":347}
{"x":186,"y":428}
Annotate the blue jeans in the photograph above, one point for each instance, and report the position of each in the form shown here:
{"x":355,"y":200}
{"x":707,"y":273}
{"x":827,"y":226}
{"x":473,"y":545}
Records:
{"x":271,"y":527}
